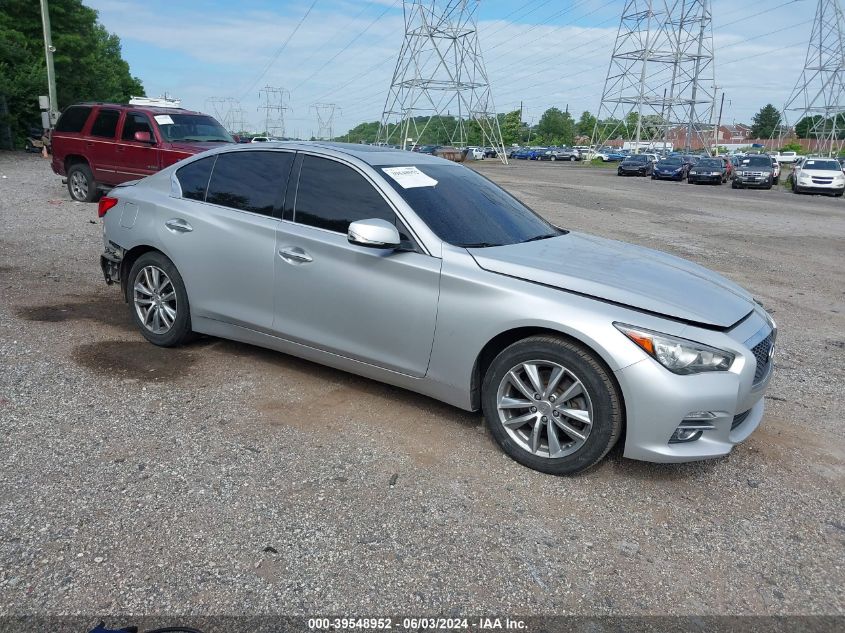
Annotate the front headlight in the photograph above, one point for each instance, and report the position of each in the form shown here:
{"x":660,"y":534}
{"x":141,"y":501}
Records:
{"x":678,"y":355}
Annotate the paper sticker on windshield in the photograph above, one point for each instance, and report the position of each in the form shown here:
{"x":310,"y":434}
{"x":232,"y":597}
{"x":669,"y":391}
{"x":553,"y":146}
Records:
{"x":809,"y":162}
{"x":409,"y":177}
{"x":163,"y":119}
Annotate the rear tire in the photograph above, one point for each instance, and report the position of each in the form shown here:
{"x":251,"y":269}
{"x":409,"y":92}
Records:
{"x":578,"y":444}
{"x":155,"y":285}
{"x":80,"y":183}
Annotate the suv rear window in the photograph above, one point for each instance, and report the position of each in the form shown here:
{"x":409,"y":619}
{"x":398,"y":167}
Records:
{"x":105,"y":125}
{"x":73,"y":119}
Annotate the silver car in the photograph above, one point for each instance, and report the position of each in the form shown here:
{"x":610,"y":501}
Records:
{"x":421,"y":273}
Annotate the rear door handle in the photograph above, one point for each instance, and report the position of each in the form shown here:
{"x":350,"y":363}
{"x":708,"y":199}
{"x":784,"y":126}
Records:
{"x":178,"y":225}
{"x":295,"y":255}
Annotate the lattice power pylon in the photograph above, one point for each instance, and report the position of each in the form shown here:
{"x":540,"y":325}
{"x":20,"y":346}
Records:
{"x":274,"y":104}
{"x":662,"y":71}
{"x":819,"y":94}
{"x":226,"y":110}
{"x":440,"y":82}
{"x":325,"y":119}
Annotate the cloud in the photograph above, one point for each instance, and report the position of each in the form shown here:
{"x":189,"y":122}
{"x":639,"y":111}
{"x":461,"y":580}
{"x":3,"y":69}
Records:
{"x":199,"y":50}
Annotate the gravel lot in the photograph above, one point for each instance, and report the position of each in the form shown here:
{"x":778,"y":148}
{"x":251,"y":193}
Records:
{"x":222,"y":478}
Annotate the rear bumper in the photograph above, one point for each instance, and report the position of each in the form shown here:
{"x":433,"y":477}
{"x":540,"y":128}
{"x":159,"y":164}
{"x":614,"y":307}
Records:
{"x":110,"y":263}
{"x":713,"y":179}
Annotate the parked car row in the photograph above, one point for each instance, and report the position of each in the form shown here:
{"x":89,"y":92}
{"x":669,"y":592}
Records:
{"x":545,"y":153}
{"x":762,"y":171}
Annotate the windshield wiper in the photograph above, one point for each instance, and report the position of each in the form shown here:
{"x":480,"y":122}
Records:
{"x":540,"y":237}
{"x":478,"y":245}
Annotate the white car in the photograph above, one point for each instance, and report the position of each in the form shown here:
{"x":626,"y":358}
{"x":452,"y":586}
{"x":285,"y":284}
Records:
{"x":819,"y":175}
{"x":785,"y":157}
{"x":475,"y":153}
{"x":260,"y":139}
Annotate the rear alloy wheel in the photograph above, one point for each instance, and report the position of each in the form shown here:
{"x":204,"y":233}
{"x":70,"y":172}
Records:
{"x":572,"y":159}
{"x":80,"y":183}
{"x":158,"y":300}
{"x":551,"y":405}
{"x":553,"y":157}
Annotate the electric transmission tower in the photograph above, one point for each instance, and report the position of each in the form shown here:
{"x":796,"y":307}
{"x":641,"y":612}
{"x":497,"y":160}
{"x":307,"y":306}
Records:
{"x":273,"y":102}
{"x":440,"y":82}
{"x":819,"y":95}
{"x":325,"y":119}
{"x":661,"y":78}
{"x":226,"y":111}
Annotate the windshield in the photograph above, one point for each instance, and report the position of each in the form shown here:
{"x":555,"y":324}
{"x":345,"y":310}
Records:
{"x":466,"y":209}
{"x":757,"y":161}
{"x":822,"y":165}
{"x":710,"y":163}
{"x":638,"y":158}
{"x":670,"y":162}
{"x":191,"y":127}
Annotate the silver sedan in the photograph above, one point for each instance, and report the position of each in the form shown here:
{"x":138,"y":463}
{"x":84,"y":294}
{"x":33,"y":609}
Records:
{"x":421,"y":273}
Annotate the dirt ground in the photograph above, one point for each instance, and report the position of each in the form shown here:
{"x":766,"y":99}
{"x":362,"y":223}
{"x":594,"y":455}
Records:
{"x":221,"y":478}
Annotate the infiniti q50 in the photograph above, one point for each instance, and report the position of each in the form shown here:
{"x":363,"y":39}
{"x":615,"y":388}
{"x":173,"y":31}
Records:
{"x":421,"y":273}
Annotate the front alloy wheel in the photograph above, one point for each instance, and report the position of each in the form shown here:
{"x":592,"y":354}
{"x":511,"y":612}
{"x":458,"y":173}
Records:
{"x":552,"y":405}
{"x":545,"y":408}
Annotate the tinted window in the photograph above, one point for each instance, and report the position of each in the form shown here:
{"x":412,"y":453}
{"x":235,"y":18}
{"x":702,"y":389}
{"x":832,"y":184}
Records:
{"x":191,"y":127}
{"x":331,"y":196}
{"x":757,"y":161}
{"x":671,"y":162}
{"x":135,"y":122}
{"x":105,"y":125}
{"x":73,"y":119}
{"x":250,"y":181}
{"x":708,"y":162}
{"x":466,"y":209}
{"x":193,"y":178}
{"x":639,"y":158}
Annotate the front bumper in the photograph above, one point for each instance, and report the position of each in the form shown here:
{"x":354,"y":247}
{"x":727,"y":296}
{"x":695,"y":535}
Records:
{"x":751,"y":181}
{"x":656,"y":401}
{"x":632,"y":172}
{"x":813,"y":187}
{"x":701,"y":178}
{"x":668,"y":175}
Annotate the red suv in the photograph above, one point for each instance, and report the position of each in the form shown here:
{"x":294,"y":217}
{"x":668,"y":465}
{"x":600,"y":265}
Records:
{"x":99,"y":145}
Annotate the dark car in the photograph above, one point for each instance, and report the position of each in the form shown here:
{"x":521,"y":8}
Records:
{"x":100,"y":145}
{"x":636,"y":165}
{"x":670,"y":168}
{"x":427,"y":149}
{"x":710,"y":170}
{"x":754,"y":171}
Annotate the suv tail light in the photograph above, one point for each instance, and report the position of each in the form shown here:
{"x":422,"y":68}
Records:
{"x":106,"y":203}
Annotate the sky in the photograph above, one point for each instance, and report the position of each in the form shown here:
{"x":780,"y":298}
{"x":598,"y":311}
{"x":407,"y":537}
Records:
{"x":538,"y":53}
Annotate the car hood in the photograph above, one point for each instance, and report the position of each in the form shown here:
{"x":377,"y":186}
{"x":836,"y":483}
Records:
{"x":823,"y":173}
{"x":194,"y":147}
{"x":622,"y":273}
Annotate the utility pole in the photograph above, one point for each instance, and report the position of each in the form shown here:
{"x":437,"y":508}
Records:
{"x":49,"y":49}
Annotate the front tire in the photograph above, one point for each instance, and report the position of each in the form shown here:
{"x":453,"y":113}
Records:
{"x":551,"y":405}
{"x":80,"y":183}
{"x":158,"y":301}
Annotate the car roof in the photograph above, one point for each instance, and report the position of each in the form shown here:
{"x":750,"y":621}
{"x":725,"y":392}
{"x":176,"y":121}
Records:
{"x":140,"y":108}
{"x":370,"y":154}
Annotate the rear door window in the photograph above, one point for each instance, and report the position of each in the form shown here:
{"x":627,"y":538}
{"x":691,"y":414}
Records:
{"x":253,"y":181}
{"x":193,"y":178}
{"x":105,"y":125}
{"x":73,"y":119}
{"x":136,"y":122}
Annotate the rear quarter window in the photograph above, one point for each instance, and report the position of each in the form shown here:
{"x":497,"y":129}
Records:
{"x":73,"y":119}
{"x":193,"y":178}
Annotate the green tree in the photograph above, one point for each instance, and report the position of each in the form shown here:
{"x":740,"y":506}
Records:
{"x":88,"y":61}
{"x":765,"y":123}
{"x":556,"y":127}
{"x":586,"y":124}
{"x":511,"y":128}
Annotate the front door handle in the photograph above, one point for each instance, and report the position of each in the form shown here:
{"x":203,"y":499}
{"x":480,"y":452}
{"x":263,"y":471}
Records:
{"x":295,"y":255}
{"x":178,"y":225}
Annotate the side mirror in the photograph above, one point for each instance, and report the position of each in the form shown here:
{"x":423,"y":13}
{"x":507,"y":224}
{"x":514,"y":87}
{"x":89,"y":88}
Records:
{"x":374,"y":233}
{"x":143,"y":137}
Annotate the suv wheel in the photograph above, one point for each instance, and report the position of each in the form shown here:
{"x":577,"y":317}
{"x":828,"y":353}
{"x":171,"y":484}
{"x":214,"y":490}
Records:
{"x":551,"y":405}
{"x":158,"y":301}
{"x":80,"y":183}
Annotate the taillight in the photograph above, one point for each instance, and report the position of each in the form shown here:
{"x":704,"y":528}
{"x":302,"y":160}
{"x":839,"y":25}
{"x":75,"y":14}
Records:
{"x":106,"y":203}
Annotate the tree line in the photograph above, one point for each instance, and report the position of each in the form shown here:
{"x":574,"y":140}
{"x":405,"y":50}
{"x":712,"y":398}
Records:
{"x":88,"y":61}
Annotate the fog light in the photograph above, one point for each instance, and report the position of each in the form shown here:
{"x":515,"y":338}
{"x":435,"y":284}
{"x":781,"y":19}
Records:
{"x":692,"y":426}
{"x":685,"y":435}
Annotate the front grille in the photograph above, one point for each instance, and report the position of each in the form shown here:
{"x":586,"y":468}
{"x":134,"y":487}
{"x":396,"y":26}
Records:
{"x":822,"y":181}
{"x":739,"y":418}
{"x":761,"y":353}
